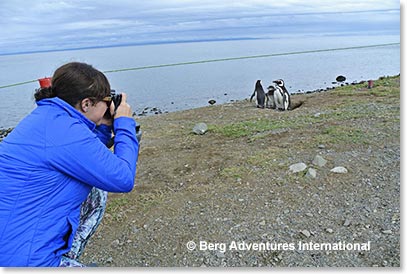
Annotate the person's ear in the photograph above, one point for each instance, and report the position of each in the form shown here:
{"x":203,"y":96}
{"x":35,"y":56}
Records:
{"x":85,"y":104}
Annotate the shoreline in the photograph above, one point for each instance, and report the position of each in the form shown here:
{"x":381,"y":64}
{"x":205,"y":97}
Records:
{"x":155,"y":111}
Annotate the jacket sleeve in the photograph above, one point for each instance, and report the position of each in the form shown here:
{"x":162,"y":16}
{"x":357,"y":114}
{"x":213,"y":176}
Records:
{"x":87,"y":160}
{"x":104,"y":133}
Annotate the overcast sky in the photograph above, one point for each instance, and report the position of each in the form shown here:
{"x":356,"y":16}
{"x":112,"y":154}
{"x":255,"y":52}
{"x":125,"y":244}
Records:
{"x":38,"y":25}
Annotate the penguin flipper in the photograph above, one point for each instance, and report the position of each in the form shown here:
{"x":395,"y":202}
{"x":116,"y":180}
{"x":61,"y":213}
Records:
{"x":251,"y":98}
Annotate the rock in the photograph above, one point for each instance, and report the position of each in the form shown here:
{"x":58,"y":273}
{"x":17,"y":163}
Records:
{"x":200,"y":128}
{"x":4,"y":132}
{"x":212,"y":102}
{"x":321,"y":146}
{"x":339,"y":169}
{"x":115,"y":243}
{"x":387,"y":231}
{"x":346,"y":223}
{"x":319,"y":161}
{"x":329,"y":230}
{"x":295,"y":168}
{"x":340,"y":78}
{"x":109,"y":260}
{"x":311,"y":173}
{"x":306,"y":233}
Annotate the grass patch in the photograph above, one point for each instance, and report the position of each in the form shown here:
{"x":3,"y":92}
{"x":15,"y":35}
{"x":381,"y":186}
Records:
{"x":343,"y":134}
{"x":250,"y":128}
{"x":383,"y":87}
{"x":115,"y":207}
{"x":234,"y":172}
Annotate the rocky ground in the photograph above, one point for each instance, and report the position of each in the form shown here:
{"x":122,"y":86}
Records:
{"x":234,"y":187}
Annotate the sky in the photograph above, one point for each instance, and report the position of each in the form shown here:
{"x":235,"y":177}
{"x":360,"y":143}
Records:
{"x":39,"y":25}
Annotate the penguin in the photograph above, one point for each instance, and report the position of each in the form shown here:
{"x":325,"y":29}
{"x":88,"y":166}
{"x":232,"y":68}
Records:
{"x":270,"y":97}
{"x":282,"y":97}
{"x":261,"y":95}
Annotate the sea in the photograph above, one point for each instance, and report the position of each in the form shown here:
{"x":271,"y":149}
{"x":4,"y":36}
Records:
{"x":172,"y":77}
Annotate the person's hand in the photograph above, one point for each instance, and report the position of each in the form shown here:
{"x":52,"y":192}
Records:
{"x":124,"y":109}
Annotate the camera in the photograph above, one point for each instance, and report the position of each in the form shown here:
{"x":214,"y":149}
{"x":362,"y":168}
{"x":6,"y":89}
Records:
{"x":117,"y":99}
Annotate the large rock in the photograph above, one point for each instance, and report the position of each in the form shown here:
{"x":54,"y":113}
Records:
{"x":298,"y":167}
{"x":319,"y":161}
{"x":200,"y":128}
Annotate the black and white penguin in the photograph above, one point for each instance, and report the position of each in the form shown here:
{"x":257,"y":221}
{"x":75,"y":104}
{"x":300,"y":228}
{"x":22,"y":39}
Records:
{"x":270,"y":97}
{"x":281,"y":96}
{"x":261,"y":95}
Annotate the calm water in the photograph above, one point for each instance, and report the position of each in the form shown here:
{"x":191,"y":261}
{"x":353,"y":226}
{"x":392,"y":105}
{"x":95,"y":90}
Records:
{"x":182,"y":87}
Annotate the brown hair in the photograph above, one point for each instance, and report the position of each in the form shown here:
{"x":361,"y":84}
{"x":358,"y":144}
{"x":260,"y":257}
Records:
{"x":74,"y":82}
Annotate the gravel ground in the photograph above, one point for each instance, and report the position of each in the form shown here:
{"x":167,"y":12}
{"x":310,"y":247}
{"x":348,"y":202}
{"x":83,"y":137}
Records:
{"x":232,"y":193}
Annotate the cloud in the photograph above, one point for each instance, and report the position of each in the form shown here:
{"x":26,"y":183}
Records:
{"x":56,"y":24}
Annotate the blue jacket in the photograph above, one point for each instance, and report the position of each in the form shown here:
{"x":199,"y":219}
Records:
{"x":48,"y":164}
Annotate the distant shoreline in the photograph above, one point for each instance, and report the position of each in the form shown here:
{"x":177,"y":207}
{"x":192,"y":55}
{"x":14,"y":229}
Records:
{"x":184,"y":41}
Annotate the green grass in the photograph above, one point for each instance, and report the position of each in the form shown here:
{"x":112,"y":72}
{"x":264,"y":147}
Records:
{"x":343,"y":134}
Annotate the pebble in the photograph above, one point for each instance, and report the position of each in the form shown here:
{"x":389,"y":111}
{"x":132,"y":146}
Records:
{"x":319,"y":161}
{"x":109,"y":260}
{"x":115,"y":243}
{"x":311,"y":173}
{"x":387,"y":231}
{"x":298,"y":167}
{"x":306,"y":233}
{"x":346,"y":223}
{"x":339,"y":169}
{"x":329,"y":230}
{"x":200,"y":128}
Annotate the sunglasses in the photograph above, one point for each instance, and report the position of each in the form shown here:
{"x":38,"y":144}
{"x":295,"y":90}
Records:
{"x":108,"y":100}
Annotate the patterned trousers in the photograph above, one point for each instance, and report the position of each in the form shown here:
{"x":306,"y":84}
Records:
{"x":92,"y":211}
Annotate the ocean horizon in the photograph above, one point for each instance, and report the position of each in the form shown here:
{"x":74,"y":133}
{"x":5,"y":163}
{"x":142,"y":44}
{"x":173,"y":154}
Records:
{"x":145,"y":72}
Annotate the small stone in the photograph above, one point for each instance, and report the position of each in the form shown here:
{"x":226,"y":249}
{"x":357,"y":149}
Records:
{"x":200,"y":128}
{"x":309,"y":214}
{"x":311,"y":173}
{"x":329,"y":230}
{"x":116,"y":242}
{"x":109,"y":260}
{"x":339,"y":169}
{"x":262,"y":223}
{"x":321,"y":146}
{"x":319,"y":161}
{"x":346,"y":223}
{"x":306,"y":233}
{"x":387,"y":231}
{"x":295,"y":168}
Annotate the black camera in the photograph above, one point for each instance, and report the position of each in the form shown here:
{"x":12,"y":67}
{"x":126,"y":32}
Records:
{"x":117,"y":99}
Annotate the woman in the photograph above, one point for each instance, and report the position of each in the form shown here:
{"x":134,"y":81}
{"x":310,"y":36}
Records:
{"x":54,"y":157}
